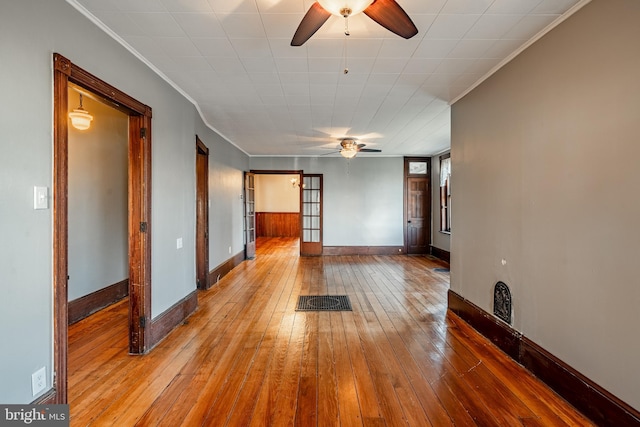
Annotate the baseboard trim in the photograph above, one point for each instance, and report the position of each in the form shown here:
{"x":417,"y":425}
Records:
{"x":441,"y":253}
{"x":586,"y":396}
{"x":167,"y":321}
{"x":223,"y":269}
{"x":362,"y":250}
{"x":85,"y":306}
{"x":49,"y":398}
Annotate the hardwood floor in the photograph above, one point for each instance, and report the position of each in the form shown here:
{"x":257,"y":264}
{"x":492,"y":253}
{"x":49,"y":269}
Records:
{"x":247,"y":358}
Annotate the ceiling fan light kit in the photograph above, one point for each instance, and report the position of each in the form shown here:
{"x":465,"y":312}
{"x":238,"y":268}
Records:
{"x":344,"y":8}
{"x":387,"y":13}
{"x":350,"y":148}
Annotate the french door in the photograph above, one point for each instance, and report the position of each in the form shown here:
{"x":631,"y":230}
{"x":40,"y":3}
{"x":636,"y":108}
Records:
{"x":250,"y":215}
{"x":311,"y":215}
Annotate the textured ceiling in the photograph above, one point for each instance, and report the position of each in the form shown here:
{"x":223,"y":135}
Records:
{"x":233,"y":59}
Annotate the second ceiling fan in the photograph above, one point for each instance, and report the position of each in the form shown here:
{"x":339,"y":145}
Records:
{"x":387,"y":13}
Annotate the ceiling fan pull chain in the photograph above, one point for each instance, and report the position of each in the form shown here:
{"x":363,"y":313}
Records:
{"x":346,"y":35}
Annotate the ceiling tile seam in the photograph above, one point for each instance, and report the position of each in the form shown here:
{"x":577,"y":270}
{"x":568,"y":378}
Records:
{"x":152,"y":67}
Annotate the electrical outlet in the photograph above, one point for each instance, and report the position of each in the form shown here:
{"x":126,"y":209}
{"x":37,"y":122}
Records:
{"x":179,"y":243}
{"x":229,"y":249}
{"x":39,"y":380}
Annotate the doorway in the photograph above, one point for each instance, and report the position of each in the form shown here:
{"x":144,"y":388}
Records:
{"x":97,"y":196}
{"x":139,"y":206}
{"x":202,"y":215}
{"x":272,"y":205}
{"x":417,"y":205}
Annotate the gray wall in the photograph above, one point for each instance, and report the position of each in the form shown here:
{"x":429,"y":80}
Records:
{"x":545,"y":156}
{"x":98,"y":230}
{"x":363,"y":197}
{"x":30,"y":32}
{"x":226,"y":206}
{"x":438,"y":238}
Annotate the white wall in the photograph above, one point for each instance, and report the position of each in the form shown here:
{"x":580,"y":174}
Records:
{"x":545,"y":164}
{"x":363,"y":197}
{"x":275,"y":193}
{"x":30,"y":32}
{"x":98,"y":229}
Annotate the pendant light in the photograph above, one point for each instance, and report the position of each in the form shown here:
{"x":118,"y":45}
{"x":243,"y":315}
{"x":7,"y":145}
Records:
{"x":80,"y":118}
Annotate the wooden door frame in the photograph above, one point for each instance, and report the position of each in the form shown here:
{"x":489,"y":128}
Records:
{"x":139,"y":203}
{"x":202,"y":219}
{"x":249,"y":241}
{"x":312,"y":248}
{"x":405,"y":198}
{"x":300,"y":174}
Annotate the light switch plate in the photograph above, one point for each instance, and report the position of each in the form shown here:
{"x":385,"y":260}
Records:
{"x":40,"y":197}
{"x":179,"y":243}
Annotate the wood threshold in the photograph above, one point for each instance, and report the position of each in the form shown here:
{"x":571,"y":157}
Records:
{"x":592,"y":400}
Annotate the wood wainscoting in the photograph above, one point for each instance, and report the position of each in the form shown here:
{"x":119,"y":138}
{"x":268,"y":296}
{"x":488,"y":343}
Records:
{"x":586,"y":396}
{"x":277,"y":224}
{"x":84,"y":306}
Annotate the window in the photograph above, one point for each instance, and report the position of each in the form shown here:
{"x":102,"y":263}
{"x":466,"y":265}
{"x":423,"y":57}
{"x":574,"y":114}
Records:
{"x":445,"y":193}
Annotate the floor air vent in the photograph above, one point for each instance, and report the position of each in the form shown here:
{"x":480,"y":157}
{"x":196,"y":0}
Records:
{"x":502,"y":302}
{"x":323,"y":303}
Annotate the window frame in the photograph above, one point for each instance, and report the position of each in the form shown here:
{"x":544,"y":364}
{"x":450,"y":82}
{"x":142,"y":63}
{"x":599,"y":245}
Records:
{"x":445,"y":196}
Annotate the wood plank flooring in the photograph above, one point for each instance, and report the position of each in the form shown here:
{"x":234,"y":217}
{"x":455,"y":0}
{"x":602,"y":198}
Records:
{"x":247,"y":358}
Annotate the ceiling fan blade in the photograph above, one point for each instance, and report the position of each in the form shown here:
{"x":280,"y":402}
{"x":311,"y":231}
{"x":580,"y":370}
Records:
{"x":369,"y":150}
{"x":312,"y":21}
{"x":391,"y":16}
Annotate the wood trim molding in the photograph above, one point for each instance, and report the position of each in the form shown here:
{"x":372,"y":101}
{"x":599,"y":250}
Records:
{"x":586,"y":396}
{"x":49,"y":398}
{"x":441,"y":254}
{"x":65,"y":72}
{"x":362,"y":250}
{"x":223,"y":269}
{"x":84,"y":306}
{"x":167,"y":321}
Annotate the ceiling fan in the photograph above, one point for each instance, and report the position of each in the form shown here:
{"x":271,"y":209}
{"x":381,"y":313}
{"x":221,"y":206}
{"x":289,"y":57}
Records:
{"x":387,"y":13}
{"x":350,"y":147}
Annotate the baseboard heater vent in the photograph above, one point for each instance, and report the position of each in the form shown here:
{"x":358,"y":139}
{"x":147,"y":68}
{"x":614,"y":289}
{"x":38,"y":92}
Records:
{"x":502,"y":302}
{"x":323,"y":303}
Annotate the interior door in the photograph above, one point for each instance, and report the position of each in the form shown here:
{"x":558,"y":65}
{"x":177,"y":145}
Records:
{"x":202,"y":215}
{"x":249,"y":215}
{"x":417,"y":206}
{"x":311,"y":218}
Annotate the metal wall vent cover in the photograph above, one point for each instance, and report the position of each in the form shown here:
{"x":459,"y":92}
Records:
{"x":323,"y":303}
{"x":502,"y":302}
